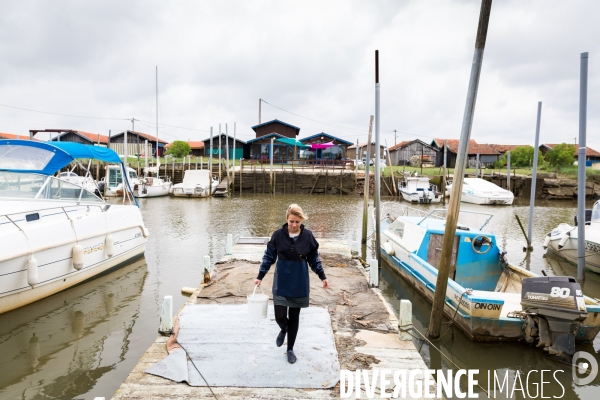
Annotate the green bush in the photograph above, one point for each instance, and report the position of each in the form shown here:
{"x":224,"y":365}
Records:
{"x":179,"y":149}
{"x":561,"y":156}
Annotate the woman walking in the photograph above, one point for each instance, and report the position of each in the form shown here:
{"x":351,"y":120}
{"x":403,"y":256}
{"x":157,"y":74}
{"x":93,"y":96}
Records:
{"x":294,"y":248}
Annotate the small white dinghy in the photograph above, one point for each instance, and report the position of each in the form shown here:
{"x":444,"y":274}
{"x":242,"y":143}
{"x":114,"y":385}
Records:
{"x":196,"y":183}
{"x":480,"y":191}
{"x":562,"y":241}
{"x":418,"y":189}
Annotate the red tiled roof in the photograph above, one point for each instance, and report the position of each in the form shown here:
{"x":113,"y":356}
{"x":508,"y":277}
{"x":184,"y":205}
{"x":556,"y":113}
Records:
{"x":193,"y":145}
{"x":94,"y":137}
{"x":397,"y":146}
{"x":474,"y":147}
{"x":503,"y":148}
{"x":11,"y":136}
{"x":588,"y":151}
{"x":147,"y":136}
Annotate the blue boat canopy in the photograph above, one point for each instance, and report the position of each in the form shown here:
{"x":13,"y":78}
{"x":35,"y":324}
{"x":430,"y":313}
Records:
{"x":45,"y":158}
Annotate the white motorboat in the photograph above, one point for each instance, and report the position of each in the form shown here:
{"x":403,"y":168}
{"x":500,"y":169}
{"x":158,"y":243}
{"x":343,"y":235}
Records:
{"x":487,"y":297}
{"x":196,"y":183}
{"x":151,"y":187}
{"x":418,"y":189}
{"x":480,"y":191}
{"x":563,"y":239}
{"x":56,"y":234}
{"x":113,"y":180}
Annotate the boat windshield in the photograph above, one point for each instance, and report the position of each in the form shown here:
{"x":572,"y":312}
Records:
{"x":36,"y":186}
{"x":596,"y":212}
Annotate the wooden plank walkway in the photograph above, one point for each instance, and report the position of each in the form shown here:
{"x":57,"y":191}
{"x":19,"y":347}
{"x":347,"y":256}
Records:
{"x":364,"y":326}
{"x":222,"y":189}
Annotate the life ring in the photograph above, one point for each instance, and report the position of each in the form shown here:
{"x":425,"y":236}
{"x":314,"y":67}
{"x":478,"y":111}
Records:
{"x":481,"y":244}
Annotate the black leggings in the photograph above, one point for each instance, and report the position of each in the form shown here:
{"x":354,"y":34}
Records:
{"x":289,"y":321}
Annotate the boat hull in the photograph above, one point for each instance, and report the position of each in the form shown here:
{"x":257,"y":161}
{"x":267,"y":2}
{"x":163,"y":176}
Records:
{"x":152,"y":191}
{"x":91,"y":237}
{"x":418,"y":198}
{"x":569,"y":254}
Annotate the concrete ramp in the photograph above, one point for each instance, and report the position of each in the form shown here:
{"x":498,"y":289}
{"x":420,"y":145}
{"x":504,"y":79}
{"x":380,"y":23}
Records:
{"x":230,"y":350}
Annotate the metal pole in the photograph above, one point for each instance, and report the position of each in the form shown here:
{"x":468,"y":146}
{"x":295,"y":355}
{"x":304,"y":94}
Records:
{"x":219,"y":153}
{"x":233,"y":170}
{"x":443,"y":188}
{"x":210,"y":155}
{"x":125,"y":157}
{"x":271,"y":180}
{"x":581,"y":159}
{"x":508,"y":171}
{"x":439,"y":299}
{"x":365,"y":220}
{"x":534,"y":177}
{"x":356,"y":163}
{"x":377,"y":194}
{"x":146,"y":154}
{"x":477,"y":166}
{"x":227,"y":154}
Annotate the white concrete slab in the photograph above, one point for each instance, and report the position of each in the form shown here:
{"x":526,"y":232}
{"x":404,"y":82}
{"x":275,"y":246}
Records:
{"x":230,"y":350}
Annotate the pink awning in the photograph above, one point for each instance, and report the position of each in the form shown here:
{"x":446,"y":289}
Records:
{"x":321,"y":145}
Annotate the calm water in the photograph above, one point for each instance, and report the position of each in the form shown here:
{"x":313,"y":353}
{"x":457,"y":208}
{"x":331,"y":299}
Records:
{"x":82,"y":343}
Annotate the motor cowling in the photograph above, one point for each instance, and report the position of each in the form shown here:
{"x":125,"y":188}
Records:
{"x":556,"y":306}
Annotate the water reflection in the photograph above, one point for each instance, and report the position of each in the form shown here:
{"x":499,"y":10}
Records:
{"x":83,"y":343}
{"x":60,"y":347}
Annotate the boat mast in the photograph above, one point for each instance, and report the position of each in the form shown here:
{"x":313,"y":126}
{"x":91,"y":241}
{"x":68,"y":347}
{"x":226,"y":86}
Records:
{"x":157,"y":157}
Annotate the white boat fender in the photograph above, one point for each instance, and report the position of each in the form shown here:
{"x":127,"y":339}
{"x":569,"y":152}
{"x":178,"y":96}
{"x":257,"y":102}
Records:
{"x":77,"y":255}
{"x":109,"y":245}
{"x":546,"y":241}
{"x":563,"y":240}
{"x":32,"y":272}
{"x":388,"y":248}
{"x":145,"y":231}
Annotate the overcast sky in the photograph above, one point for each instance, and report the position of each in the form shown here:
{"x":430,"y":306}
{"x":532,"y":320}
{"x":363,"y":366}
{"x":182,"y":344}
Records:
{"x":313,"y":59}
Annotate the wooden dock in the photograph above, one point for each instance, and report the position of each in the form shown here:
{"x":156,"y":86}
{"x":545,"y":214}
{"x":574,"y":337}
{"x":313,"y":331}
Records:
{"x":222,"y":189}
{"x":364,"y":325}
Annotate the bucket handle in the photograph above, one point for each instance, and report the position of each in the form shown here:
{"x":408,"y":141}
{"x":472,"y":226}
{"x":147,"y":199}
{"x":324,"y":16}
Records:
{"x":253,"y":293}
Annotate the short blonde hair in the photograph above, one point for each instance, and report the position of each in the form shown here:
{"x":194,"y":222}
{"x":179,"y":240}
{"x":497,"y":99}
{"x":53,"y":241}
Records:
{"x":295,"y":210}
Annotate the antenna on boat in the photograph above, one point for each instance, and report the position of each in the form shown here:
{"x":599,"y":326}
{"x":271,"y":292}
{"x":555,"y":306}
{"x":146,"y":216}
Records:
{"x":437,"y":311}
{"x":157,"y":157}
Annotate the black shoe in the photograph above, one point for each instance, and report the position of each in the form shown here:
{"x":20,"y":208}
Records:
{"x":291,"y":356}
{"x":280,"y":338}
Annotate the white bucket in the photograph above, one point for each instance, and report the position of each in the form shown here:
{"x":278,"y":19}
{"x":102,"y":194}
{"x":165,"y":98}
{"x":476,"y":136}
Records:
{"x":257,"y":305}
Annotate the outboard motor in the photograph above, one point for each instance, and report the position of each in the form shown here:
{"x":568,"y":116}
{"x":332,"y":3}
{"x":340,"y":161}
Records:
{"x":554,"y":307}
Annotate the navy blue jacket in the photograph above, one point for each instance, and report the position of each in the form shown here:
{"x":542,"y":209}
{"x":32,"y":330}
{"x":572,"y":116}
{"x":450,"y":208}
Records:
{"x":293,"y":257}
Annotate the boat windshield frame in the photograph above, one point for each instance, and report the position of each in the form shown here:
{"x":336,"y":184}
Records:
{"x":595,"y":212}
{"x":51,"y":188}
{"x":490,"y":216}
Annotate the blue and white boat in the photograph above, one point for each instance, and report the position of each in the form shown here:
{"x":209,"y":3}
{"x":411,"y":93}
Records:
{"x":55,"y":234}
{"x":487,"y":297}
{"x":418,"y":189}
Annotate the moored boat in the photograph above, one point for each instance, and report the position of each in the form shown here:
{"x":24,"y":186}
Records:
{"x":487,"y":297}
{"x":480,"y":191}
{"x":113,"y":180}
{"x":563,"y":240}
{"x":54,"y":233}
{"x":196,"y":183}
{"x":418,"y":189}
